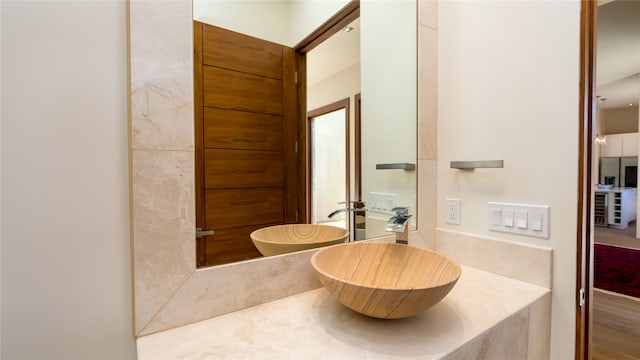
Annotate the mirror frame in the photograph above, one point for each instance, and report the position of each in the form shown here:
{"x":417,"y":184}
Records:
{"x":162,"y":203}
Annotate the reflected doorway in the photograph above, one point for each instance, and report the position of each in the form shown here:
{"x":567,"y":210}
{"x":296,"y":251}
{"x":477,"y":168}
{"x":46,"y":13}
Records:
{"x":329,"y":163}
{"x":335,"y":168}
{"x":616,"y":245}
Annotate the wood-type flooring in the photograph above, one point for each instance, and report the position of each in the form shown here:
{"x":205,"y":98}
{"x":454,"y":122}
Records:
{"x":616,"y":318}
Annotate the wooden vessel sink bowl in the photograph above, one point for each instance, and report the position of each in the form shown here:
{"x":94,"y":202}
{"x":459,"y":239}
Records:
{"x":383,"y":280}
{"x":282,"y":239}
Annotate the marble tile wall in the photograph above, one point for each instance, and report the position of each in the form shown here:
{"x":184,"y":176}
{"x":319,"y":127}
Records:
{"x":485,"y":316}
{"x":524,"y":262}
{"x":169,"y":291}
{"x":427,"y":120}
{"x":161,"y":152}
{"x":227,"y":288}
{"x":506,"y":340}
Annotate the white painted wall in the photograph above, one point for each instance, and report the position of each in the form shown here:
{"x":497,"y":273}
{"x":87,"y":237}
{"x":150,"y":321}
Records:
{"x":66,"y":267}
{"x":508,"y":77}
{"x":267,"y":20}
{"x":389,"y":102}
{"x":283,"y":22}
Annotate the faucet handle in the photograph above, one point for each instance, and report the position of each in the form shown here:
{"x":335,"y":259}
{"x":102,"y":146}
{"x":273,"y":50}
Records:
{"x":357,"y":202}
{"x":400,"y":210}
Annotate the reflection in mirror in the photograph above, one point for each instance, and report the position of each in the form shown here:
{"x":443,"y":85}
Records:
{"x":258,"y":152}
{"x":333,"y":88}
{"x":169,"y":290}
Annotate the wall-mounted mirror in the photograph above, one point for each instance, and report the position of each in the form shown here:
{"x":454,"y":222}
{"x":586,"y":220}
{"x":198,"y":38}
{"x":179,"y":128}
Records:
{"x":169,"y":290}
{"x":295,"y":107}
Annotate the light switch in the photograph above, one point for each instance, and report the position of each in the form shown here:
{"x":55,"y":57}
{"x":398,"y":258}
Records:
{"x":507,"y":217}
{"x":521,"y":219}
{"x":536,"y":221}
{"x":496,"y":217}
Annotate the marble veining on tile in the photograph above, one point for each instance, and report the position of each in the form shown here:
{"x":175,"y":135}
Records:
{"x":235,"y":286}
{"x":163,"y":195}
{"x":507,"y":341}
{"x":313,"y":325}
{"x":161,"y":54}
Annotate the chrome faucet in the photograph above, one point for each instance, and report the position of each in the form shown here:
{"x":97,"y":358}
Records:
{"x":347,"y":209}
{"x":399,"y":224}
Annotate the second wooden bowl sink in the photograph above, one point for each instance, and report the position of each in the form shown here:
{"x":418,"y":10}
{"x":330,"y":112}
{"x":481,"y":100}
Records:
{"x":383,"y":280}
{"x":282,"y":239}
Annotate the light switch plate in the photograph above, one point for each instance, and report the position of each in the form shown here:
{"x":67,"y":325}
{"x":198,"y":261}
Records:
{"x":381,"y":203}
{"x":521,"y":219}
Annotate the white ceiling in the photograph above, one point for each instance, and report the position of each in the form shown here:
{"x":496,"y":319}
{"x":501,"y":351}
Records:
{"x":335,"y":54}
{"x":618,"y":53}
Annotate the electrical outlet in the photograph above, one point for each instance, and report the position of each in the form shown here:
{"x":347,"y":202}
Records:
{"x":453,"y":211}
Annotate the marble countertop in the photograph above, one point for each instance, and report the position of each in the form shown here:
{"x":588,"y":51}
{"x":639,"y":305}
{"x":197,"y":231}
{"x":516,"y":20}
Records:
{"x":313,"y":325}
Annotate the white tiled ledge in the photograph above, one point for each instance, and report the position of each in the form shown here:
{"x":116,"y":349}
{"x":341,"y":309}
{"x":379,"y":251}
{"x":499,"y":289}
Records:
{"x":485,"y":316}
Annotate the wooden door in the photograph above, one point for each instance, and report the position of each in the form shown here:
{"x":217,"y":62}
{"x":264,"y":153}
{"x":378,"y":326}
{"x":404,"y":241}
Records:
{"x":245,"y":125}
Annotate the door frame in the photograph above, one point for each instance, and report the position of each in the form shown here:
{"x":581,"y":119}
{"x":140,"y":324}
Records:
{"x":337,"y":22}
{"x":335,"y":106}
{"x":584,"y":253}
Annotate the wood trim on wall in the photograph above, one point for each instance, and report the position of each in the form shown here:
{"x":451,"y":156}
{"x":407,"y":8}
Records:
{"x":198,"y":113}
{"x":291,"y":206}
{"x":357,"y":157}
{"x":584,"y":273}
{"x":342,"y":18}
{"x":303,"y":191}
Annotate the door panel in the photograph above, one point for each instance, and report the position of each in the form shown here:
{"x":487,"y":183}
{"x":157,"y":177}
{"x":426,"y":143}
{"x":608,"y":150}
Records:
{"x":233,"y":51}
{"x":245,"y":122}
{"x":230,"y":208}
{"x":232,"y":245}
{"x":226,"y":89}
{"x":228,"y":129}
{"x":224,"y":169}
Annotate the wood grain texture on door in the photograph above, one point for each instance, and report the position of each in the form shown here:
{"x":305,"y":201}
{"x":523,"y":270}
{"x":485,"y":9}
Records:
{"x":246,"y":169}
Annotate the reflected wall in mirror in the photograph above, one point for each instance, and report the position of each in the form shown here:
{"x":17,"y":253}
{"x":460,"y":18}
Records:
{"x":162,"y":173}
{"x":252,"y":99}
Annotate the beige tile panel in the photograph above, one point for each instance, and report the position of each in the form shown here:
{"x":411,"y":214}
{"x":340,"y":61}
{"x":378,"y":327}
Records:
{"x":503,"y":341}
{"x":163,"y":228}
{"x":427,"y":121}
{"x":428,"y":13}
{"x":161,"y":36}
{"x":215,"y":291}
{"x":524,"y":262}
{"x":313,"y":325}
{"x":427,"y":209}
{"x":428,"y":53}
{"x":427,"y":94}
{"x":540,"y":329}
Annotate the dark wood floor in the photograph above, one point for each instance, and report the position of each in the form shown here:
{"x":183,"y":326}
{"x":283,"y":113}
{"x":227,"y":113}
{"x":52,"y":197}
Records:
{"x":616,"y":318}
